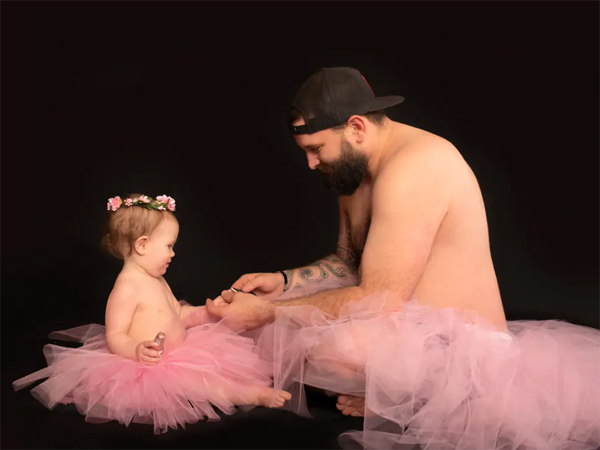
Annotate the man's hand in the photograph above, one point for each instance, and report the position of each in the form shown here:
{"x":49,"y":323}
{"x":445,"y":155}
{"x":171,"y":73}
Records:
{"x":268,"y":286}
{"x":244,"y":311}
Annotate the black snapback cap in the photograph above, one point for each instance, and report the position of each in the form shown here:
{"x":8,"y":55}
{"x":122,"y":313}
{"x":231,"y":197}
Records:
{"x":332,"y":95}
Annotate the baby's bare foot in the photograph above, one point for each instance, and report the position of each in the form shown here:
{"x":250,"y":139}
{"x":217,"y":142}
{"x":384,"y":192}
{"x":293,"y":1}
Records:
{"x":351,"y":405}
{"x":272,"y":398}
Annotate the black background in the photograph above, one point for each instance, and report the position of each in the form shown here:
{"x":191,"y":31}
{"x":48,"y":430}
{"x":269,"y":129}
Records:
{"x":189,"y":100}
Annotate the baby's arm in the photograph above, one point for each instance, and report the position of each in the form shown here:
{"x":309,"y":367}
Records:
{"x":120,"y":308}
{"x":192,"y":316}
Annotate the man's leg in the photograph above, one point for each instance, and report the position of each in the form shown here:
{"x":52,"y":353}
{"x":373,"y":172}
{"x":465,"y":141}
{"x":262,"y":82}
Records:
{"x":347,"y":372}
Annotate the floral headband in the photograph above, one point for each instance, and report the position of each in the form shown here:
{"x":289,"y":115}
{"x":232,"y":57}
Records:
{"x":162,"y":203}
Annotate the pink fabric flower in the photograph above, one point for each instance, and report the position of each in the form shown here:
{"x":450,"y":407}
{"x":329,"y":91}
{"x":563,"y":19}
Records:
{"x":128,"y":202}
{"x":114,"y":203}
{"x":169,"y":201}
{"x":161,"y":208}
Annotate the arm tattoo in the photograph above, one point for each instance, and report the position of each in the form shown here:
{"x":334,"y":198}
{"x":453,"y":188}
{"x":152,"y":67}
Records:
{"x":337,"y":266}
{"x":331,"y":266}
{"x":342,"y":266}
{"x":346,"y":250}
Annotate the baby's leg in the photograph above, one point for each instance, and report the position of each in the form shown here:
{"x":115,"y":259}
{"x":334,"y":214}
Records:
{"x":241,"y":395}
{"x":257,"y":395}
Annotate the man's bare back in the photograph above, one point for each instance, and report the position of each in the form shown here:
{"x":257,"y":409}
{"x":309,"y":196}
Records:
{"x":459,"y":271}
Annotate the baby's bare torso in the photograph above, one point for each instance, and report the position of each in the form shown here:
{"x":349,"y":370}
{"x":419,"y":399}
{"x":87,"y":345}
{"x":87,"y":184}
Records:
{"x":157,"y":311}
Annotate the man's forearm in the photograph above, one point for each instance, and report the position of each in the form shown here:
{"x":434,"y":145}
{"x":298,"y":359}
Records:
{"x":330,"y":302}
{"x":329,"y":271}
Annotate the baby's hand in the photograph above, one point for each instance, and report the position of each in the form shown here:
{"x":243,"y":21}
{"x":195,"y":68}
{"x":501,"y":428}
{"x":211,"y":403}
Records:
{"x":219,"y":301}
{"x":147,"y":353}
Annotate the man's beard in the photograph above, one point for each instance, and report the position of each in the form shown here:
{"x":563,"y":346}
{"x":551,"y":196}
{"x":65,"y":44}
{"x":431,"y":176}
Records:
{"x":344,"y":176}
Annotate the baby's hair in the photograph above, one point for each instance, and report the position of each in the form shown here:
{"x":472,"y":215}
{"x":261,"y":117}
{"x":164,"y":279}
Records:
{"x":127,"y":224}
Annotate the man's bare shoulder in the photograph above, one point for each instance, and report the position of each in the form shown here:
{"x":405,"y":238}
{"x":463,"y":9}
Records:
{"x":419,"y":153}
{"x":410,"y":136}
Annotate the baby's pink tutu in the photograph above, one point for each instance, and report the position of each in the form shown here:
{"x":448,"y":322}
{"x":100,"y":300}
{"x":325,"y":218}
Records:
{"x":437,"y":379}
{"x":178,"y":390}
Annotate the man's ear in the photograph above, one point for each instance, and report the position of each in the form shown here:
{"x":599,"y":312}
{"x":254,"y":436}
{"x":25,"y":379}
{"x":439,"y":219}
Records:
{"x":357,"y":126}
{"x":141,"y":245}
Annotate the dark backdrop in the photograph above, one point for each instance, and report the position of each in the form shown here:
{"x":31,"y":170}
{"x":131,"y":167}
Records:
{"x":189,"y":100}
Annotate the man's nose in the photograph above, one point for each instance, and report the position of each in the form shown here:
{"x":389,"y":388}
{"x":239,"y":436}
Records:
{"x":313,"y":161}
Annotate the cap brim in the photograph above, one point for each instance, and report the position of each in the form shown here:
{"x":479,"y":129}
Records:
{"x":380,"y":103}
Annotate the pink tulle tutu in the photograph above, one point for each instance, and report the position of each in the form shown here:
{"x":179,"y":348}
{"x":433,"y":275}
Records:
{"x":437,"y":379}
{"x":180,"y":389}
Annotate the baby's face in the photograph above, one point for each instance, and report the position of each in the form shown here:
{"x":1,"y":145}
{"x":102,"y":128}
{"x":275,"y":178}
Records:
{"x":160,"y":247}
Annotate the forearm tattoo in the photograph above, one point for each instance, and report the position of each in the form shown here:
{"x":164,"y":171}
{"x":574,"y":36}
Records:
{"x":332,"y":266}
{"x":342,"y":266}
{"x":346,"y":251}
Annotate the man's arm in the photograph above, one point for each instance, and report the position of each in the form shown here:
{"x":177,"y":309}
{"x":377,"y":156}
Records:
{"x":410,"y":200}
{"x":330,"y":301}
{"x":336,"y":270}
{"x":331,"y":270}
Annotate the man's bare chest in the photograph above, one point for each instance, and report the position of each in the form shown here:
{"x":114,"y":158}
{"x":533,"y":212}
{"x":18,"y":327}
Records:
{"x":357,"y":217}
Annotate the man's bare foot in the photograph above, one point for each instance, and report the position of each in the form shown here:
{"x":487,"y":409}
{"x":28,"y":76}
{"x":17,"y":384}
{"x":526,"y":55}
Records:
{"x":272,"y":398}
{"x":351,"y":405}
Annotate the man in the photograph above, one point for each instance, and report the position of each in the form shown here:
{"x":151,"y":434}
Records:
{"x":409,"y":323}
{"x":412,"y":217}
